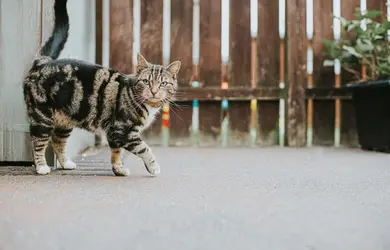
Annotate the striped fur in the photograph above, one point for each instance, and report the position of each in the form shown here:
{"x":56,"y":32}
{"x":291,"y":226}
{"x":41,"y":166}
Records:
{"x":61,"y":94}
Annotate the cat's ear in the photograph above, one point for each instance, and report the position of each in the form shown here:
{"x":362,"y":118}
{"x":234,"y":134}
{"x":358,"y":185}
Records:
{"x":173,"y":68}
{"x":141,"y":63}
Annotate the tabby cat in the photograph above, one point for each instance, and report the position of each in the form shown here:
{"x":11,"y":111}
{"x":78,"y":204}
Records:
{"x":61,"y":94}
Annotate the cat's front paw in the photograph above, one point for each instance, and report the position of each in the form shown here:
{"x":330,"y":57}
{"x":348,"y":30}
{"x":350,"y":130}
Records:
{"x":43,"y":169}
{"x":153,"y":168}
{"x":120,"y":171}
{"x":68,"y":165}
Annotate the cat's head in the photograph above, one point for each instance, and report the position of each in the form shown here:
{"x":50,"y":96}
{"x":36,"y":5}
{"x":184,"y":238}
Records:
{"x":156,"y":84}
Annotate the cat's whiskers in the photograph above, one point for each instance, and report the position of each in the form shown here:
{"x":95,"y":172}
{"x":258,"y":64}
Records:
{"x":172,"y":107}
{"x":179,"y":106}
{"x":138,"y":101}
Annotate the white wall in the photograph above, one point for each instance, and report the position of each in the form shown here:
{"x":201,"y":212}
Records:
{"x":19,"y":40}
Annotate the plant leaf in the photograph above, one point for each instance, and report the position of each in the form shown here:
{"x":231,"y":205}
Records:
{"x":364,"y":45}
{"x":352,"y":51}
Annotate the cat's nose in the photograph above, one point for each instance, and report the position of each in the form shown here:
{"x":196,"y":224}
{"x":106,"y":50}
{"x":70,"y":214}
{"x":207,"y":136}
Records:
{"x":154,"y":92}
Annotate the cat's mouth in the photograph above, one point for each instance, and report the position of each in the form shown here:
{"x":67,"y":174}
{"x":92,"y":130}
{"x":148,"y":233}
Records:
{"x":154,"y":102}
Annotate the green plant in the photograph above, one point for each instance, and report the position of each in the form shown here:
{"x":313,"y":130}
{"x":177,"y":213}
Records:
{"x":357,"y":46}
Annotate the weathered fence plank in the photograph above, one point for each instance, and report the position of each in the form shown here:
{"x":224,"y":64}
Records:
{"x":121,"y":35}
{"x":239,"y":74}
{"x":181,"y":38}
{"x":210,"y":42}
{"x":151,"y":30}
{"x":296,"y":18}
{"x":268,"y":46}
{"x":324,"y":111}
{"x":268,"y":69}
{"x":181,"y":49}
{"x":240,"y":44}
{"x":378,"y":5}
{"x":323,"y":21}
{"x":210,"y":69}
{"x":99,"y":32}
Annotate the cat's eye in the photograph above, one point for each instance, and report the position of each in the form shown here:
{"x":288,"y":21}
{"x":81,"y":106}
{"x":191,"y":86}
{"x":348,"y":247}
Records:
{"x":146,"y":82}
{"x":163,"y":84}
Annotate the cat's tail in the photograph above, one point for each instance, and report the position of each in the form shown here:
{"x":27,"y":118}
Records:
{"x":56,"y":42}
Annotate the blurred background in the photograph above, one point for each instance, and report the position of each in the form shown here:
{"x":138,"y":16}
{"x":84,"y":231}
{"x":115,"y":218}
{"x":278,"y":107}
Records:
{"x":247,"y":66}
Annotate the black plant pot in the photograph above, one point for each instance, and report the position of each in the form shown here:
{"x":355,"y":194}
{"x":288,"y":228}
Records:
{"x":372,"y":108}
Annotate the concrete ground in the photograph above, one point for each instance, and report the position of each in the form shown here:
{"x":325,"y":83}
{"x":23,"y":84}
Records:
{"x":205,"y":199}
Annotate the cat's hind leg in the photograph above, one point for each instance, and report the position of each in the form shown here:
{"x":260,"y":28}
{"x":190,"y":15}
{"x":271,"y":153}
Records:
{"x":41,"y":127}
{"x":116,"y":143}
{"x":59,"y":138}
{"x":40,"y":139}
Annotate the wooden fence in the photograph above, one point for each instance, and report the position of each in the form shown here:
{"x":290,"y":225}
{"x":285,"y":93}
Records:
{"x":246,"y":67}
{"x":251,"y":74}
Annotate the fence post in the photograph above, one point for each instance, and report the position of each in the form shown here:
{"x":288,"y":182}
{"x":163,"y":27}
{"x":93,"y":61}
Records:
{"x":296,"y":51}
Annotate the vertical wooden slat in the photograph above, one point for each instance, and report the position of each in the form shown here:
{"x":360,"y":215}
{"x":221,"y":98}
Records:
{"x":378,"y":5}
{"x":210,"y":42}
{"x":322,"y":76}
{"x":209,"y":123}
{"x":121,"y":29}
{"x":268,"y":48}
{"x":181,"y":38}
{"x":348,"y":8}
{"x":240,"y":44}
{"x":268,"y":73}
{"x":181,"y":49}
{"x":239,"y":120}
{"x":99,"y":50}
{"x":324,"y":111}
{"x":99,"y":32}
{"x":239,"y":68}
{"x":151,"y":30}
{"x":151,"y":48}
{"x":210,"y":68}
{"x":296,"y":12}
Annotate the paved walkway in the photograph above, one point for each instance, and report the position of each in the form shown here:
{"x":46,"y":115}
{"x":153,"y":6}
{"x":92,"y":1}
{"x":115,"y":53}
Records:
{"x":205,"y":199}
